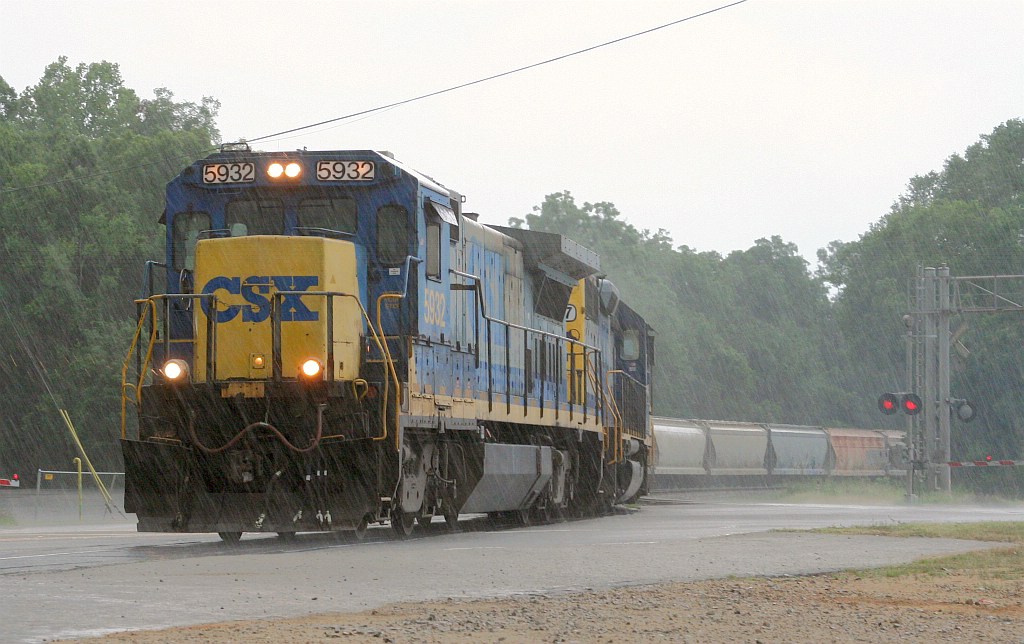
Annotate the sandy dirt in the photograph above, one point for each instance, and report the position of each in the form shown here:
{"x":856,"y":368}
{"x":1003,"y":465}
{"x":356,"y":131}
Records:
{"x":823,"y":608}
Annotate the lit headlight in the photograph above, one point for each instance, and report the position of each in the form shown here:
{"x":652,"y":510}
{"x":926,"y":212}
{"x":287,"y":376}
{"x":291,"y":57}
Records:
{"x":176,"y":370}
{"x":277,"y":169}
{"x":311,"y":368}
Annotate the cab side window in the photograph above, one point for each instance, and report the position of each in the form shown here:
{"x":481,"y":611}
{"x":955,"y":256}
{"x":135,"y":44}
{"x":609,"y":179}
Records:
{"x":433,"y":248}
{"x":630,"y":344}
{"x":392,"y":235}
{"x":187,"y":227}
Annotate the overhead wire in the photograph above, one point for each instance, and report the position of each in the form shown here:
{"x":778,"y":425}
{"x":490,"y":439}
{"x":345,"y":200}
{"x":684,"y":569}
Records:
{"x":421,"y":97}
{"x":502,"y":74}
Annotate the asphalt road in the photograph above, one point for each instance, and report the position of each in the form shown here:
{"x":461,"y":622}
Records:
{"x":74,"y":580}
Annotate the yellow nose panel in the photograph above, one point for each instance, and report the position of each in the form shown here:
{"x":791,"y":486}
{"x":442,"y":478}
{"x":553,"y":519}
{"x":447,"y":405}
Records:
{"x":244,"y":273}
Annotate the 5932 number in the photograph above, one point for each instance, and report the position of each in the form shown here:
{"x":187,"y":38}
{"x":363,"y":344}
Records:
{"x":229,"y":173}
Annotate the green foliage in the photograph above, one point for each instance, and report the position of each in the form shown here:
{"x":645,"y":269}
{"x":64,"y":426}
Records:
{"x":83,"y":162}
{"x":744,"y":337}
{"x":969,"y":217}
{"x":756,"y":336}
{"x":750,"y":336}
{"x":991,"y":563}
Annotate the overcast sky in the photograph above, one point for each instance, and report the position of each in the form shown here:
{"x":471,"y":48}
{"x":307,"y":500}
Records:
{"x":773,"y":117}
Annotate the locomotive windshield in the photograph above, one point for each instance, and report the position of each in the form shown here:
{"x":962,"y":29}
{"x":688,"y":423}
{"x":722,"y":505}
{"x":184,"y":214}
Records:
{"x":254,"y":217}
{"x":325,"y":215}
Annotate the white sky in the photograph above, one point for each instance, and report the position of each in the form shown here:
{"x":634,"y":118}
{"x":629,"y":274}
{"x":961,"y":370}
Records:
{"x":798,"y":119}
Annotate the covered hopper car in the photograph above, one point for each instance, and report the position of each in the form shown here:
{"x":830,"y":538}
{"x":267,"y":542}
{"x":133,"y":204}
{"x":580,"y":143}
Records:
{"x":708,"y":453}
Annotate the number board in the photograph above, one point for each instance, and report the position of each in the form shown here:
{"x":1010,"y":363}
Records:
{"x":229,"y":173}
{"x":345,"y":170}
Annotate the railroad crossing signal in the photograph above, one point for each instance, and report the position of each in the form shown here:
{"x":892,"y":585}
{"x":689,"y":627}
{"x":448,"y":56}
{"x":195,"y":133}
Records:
{"x":964,"y":409}
{"x":890,"y":403}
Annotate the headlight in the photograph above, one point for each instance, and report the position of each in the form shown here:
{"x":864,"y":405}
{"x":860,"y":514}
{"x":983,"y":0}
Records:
{"x":176,"y":370}
{"x":311,"y":369}
{"x":278,"y":169}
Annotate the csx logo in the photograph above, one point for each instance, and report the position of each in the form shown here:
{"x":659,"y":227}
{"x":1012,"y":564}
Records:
{"x":255,"y":290}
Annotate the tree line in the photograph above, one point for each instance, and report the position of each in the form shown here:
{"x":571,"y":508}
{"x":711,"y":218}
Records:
{"x":758,"y":335}
{"x":83,"y":165}
{"x":752,"y":335}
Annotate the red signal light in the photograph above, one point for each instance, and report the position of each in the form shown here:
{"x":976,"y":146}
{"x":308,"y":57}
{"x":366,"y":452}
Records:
{"x":988,"y":458}
{"x":911,"y":404}
{"x":16,"y":476}
{"x":888,"y":403}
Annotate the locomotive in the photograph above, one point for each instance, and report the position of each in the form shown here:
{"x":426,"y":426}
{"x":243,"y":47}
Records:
{"x":331,"y":342}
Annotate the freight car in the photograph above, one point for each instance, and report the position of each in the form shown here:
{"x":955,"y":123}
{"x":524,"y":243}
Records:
{"x":710,"y":454}
{"x":331,"y":341}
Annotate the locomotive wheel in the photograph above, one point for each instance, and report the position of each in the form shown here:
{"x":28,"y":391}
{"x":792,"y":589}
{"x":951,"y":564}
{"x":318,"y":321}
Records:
{"x":230,"y":537}
{"x":424,"y":521}
{"x":402,"y":523}
{"x":541,"y":516}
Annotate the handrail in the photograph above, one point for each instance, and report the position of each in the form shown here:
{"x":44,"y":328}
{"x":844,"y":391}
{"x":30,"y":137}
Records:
{"x":329,"y":295}
{"x":621,"y":372}
{"x":409,"y":259}
{"x":613,"y":408}
{"x":573,"y":343}
{"x":125,"y":385}
{"x":640,"y":386}
{"x":143,"y":365}
{"x":616,"y":421}
{"x":147,"y":277}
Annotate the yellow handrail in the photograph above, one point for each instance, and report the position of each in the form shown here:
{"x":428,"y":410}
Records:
{"x":616,"y":426}
{"x":383,"y":348}
{"x":125,"y":385}
{"x":390,"y":363}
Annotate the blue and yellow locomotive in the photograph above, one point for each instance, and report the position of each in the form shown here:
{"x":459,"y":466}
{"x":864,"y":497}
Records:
{"x":338,"y":344}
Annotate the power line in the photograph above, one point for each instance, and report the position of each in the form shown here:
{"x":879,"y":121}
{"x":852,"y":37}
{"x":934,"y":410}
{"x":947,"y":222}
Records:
{"x":500,"y":75}
{"x":408,"y":100}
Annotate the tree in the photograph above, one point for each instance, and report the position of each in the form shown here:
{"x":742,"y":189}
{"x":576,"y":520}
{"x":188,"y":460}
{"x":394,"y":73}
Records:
{"x":969,"y":217}
{"x":83,"y":162}
{"x":739,"y":338}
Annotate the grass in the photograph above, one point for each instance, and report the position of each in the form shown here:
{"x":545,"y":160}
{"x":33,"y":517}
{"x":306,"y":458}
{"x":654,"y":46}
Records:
{"x":877,"y":491}
{"x":856,"y":491}
{"x":996,"y":563}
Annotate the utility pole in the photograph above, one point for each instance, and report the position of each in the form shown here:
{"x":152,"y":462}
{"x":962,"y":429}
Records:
{"x":942,"y":396}
{"x":936,"y":298}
